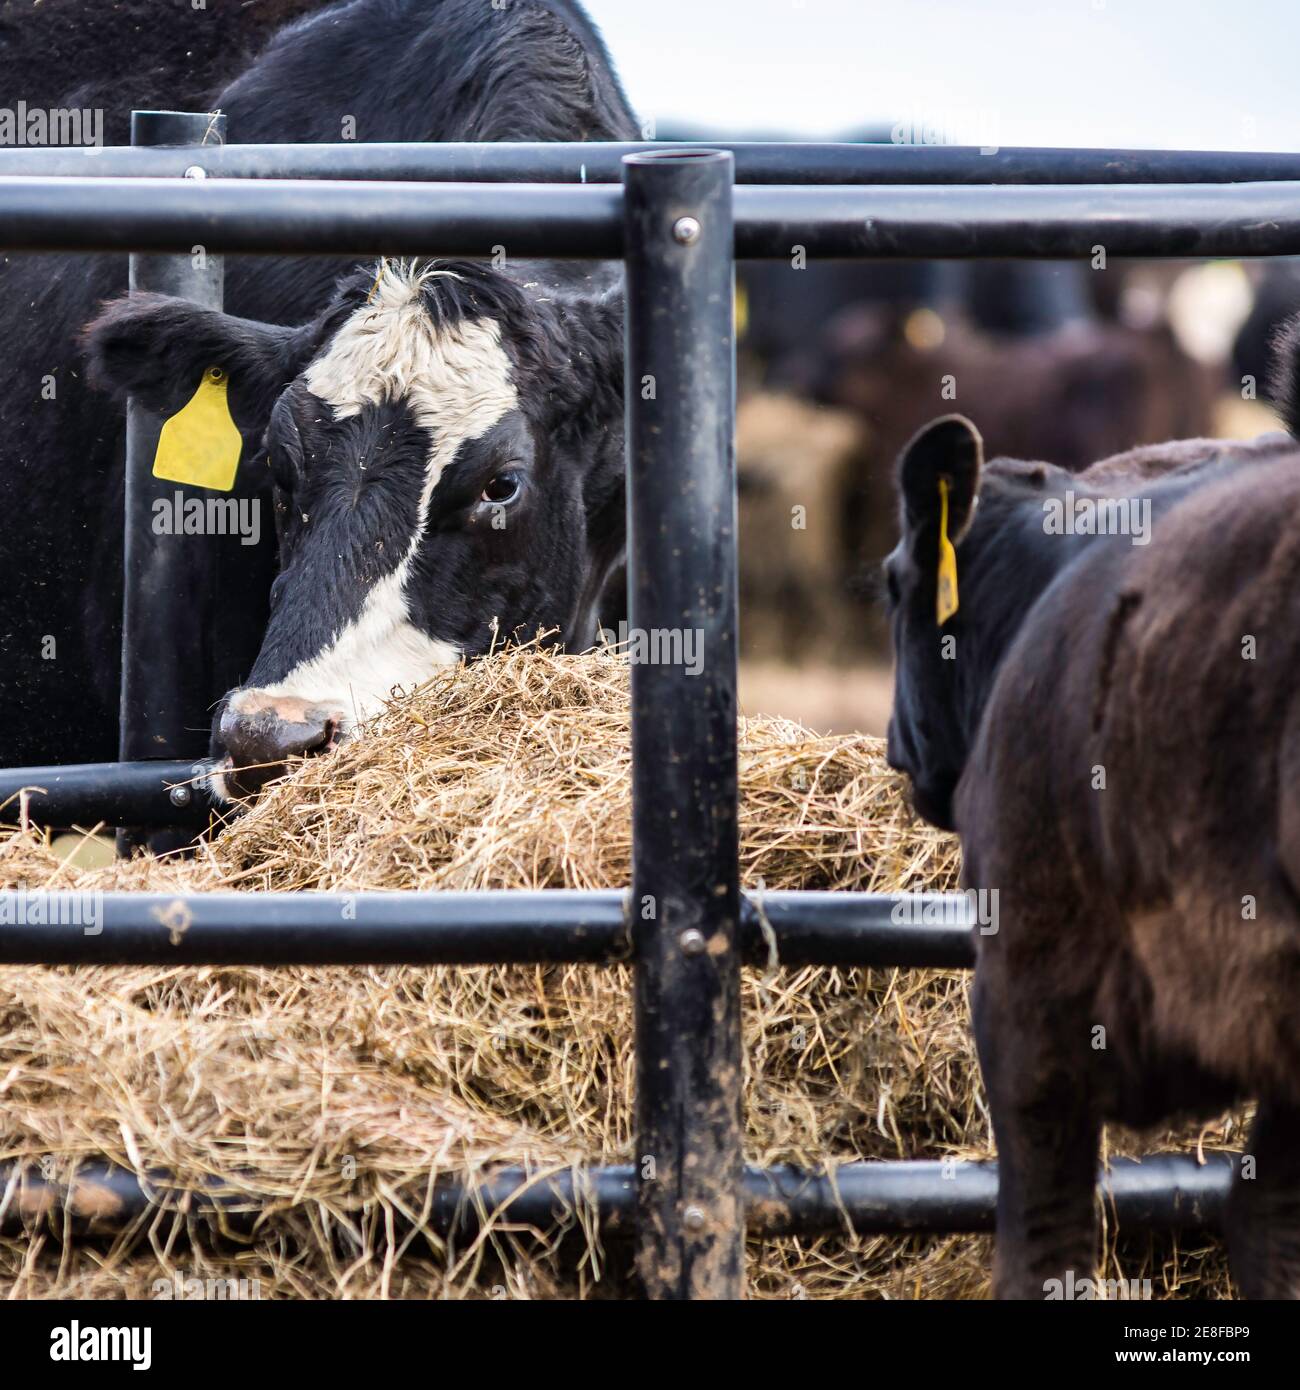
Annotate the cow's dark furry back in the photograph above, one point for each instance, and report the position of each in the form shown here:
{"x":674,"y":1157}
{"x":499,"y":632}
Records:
{"x":119,"y":54}
{"x":452,"y":70}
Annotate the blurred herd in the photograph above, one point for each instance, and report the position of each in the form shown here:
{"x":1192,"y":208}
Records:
{"x":841,"y":362}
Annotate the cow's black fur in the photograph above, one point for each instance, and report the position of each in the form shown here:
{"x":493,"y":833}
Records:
{"x":74,"y":53}
{"x":1124,"y":770}
{"x":402,"y":70}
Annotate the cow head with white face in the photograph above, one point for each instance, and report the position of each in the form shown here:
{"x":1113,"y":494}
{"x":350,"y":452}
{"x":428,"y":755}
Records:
{"x":445,"y":457}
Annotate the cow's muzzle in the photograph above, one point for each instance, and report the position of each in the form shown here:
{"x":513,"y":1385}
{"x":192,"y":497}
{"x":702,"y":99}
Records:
{"x":261,"y":732}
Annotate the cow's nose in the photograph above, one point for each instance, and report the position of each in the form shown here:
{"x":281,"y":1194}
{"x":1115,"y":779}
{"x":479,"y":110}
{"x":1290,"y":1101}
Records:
{"x":262,"y":732}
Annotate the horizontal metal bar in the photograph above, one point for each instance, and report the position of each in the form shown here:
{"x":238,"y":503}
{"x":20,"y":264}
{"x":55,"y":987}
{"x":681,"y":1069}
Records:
{"x":909,"y":930}
{"x":260,"y":928}
{"x":1159,"y":1192}
{"x":309,"y":216}
{"x":795,"y":162}
{"x":1056,"y":222}
{"x":475,"y":220}
{"x":115,"y":794}
{"x":451,"y":928}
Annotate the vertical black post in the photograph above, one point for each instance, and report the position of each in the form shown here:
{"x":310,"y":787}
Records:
{"x":168,"y":596}
{"x":682,"y":600}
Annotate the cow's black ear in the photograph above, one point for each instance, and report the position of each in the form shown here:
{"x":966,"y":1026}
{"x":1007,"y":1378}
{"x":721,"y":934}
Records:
{"x":585,"y":374}
{"x":605,"y":500}
{"x":948,"y":449}
{"x":156,"y":348}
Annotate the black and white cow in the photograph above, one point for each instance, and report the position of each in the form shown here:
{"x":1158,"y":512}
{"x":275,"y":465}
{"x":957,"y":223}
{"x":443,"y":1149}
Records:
{"x":445,"y":453}
{"x":412,"y":382}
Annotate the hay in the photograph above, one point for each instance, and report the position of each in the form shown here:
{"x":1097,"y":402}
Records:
{"x":344,"y":1094}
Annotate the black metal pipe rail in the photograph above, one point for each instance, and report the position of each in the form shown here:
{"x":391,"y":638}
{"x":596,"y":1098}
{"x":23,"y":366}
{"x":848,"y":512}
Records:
{"x":169,"y":792}
{"x":1158,"y":1192}
{"x":681,"y":564}
{"x":557,"y":220}
{"x":601,"y":162}
{"x":176,"y":612}
{"x":502,"y":927}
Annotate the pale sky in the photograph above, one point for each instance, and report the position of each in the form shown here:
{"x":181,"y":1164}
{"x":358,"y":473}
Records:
{"x":1192,"y":74}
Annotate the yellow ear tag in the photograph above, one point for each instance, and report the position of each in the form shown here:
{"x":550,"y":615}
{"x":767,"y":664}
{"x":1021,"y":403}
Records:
{"x":201,"y":443}
{"x":946,"y":593}
{"x":740,"y":310}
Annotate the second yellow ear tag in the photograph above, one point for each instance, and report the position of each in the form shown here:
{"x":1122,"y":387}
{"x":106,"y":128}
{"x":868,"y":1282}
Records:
{"x":201,"y":443}
{"x":946,"y":593}
{"x":740,"y":310}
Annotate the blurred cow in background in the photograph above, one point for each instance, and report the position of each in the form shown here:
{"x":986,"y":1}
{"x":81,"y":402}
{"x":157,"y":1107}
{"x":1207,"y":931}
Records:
{"x":1055,"y":370}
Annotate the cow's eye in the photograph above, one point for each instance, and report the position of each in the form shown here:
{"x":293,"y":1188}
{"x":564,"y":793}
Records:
{"x":503,"y":488}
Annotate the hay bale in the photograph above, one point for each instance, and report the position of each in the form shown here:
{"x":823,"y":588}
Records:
{"x":344,"y":1094}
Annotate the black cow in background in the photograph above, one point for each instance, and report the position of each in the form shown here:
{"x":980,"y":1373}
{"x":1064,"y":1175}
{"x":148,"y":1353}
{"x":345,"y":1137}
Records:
{"x":1046,"y":353}
{"x":392,"y":70}
{"x":1021,"y":345}
{"x":791,"y":319}
{"x":164,"y":54}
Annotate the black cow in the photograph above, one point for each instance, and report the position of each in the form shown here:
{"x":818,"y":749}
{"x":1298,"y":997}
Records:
{"x":1111,"y":723}
{"x":73,"y":53}
{"x":384,"y":70}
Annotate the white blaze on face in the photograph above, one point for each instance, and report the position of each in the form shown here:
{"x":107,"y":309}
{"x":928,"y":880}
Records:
{"x":457,"y":384}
